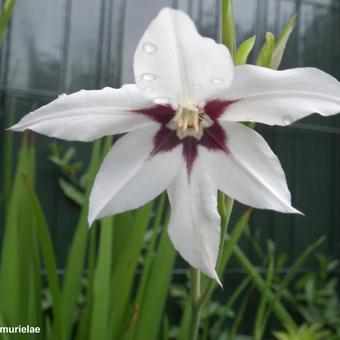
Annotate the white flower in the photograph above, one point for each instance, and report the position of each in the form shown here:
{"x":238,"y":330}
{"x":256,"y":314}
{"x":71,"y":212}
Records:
{"x":183,"y":132}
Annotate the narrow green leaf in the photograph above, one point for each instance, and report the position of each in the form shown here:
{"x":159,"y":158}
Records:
{"x":124,"y":266}
{"x":244,"y":50}
{"x":281,"y":43}
{"x":83,"y":331}
{"x":101,"y":283}
{"x":152,"y":306}
{"x":77,"y":253}
{"x":260,"y":284}
{"x":34,"y":281}
{"x":148,"y":260}
{"x":293,"y":271}
{"x":48,"y":256}
{"x":72,"y":192}
{"x":4,"y":336}
{"x":228,"y":26}
{"x":265,"y":56}
{"x":11,"y":265}
{"x":185,"y":322}
{"x":240,"y":314}
{"x":221,"y":322}
{"x":7,"y":10}
{"x":7,"y":160}
{"x":260,"y":320}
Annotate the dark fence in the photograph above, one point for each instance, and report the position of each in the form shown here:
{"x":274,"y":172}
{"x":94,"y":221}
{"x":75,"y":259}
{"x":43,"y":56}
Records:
{"x":63,"y":46}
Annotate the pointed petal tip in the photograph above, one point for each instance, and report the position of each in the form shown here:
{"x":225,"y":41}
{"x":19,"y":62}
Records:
{"x":219,"y":282}
{"x":15,"y":127}
{"x":298,"y":212}
{"x":213,"y":275}
{"x":292,"y":210}
{"x":90,"y":221}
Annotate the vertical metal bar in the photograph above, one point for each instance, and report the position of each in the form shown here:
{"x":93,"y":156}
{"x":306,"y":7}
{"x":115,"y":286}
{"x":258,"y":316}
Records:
{"x":100,"y":45}
{"x":107,"y":75}
{"x":217,"y":20}
{"x":63,"y":78}
{"x":120,"y":45}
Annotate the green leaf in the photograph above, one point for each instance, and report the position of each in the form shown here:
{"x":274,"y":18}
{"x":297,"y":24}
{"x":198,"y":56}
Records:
{"x":7,"y":160}
{"x":102,"y":284}
{"x":279,"y":310}
{"x":244,"y":50}
{"x":48,"y":256}
{"x":149,"y":256}
{"x":12,"y":266}
{"x":77,"y":254}
{"x":4,"y":336}
{"x":83,"y":331}
{"x":260,"y":321}
{"x":7,"y":10}
{"x":152,"y":306}
{"x":228,"y":26}
{"x":72,"y":192}
{"x":218,"y":327}
{"x":131,"y":239}
{"x":281,"y":43}
{"x":293,"y":271}
{"x":265,"y":56}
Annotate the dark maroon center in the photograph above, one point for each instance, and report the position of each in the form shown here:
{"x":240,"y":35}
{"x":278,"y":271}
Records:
{"x":214,"y":137}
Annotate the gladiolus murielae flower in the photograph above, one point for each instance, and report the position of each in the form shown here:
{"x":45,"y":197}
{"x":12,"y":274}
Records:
{"x":183,"y":132}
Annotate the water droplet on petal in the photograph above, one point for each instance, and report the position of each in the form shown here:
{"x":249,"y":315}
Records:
{"x":287,"y":120}
{"x":217,"y":81}
{"x":149,"y":48}
{"x":148,"y":76}
{"x":162,"y":100}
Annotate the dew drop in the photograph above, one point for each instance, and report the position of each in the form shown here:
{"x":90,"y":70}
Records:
{"x":217,"y":81}
{"x":149,"y":48}
{"x":287,"y":120}
{"x":148,"y":76}
{"x":162,"y":100}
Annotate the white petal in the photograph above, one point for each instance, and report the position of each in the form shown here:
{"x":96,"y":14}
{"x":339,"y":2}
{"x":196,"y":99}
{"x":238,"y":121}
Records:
{"x":173,"y":61}
{"x":87,"y":115}
{"x":281,"y":97}
{"x":194,"y":226}
{"x":251,"y":173}
{"x":129,"y":177}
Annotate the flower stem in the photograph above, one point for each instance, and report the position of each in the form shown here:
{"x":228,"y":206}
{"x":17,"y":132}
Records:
{"x":195,"y":303}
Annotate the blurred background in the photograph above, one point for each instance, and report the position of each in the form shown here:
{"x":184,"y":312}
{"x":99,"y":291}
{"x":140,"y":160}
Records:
{"x":54,"y":47}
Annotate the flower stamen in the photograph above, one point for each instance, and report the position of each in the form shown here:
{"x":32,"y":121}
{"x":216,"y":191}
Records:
{"x":190,"y":121}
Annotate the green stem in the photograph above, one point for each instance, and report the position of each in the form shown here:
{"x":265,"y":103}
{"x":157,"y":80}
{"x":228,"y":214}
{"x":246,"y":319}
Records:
{"x":195,"y":303}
